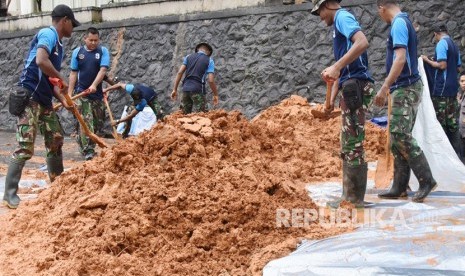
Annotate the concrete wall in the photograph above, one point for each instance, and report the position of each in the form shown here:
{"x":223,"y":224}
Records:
{"x":262,"y":54}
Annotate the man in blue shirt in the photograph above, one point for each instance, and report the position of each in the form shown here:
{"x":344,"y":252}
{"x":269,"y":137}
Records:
{"x":199,"y":68}
{"x":445,"y":86}
{"x":89,"y":65}
{"x":350,"y":74}
{"x":404,"y":85}
{"x":43,"y":61}
{"x":142,"y":96}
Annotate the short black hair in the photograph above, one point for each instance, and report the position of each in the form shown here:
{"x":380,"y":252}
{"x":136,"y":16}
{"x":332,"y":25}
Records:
{"x":463,"y":73}
{"x":386,"y":2}
{"x":93,"y":30}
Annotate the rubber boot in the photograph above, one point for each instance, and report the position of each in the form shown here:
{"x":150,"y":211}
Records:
{"x":454,"y":139}
{"x":54,"y":166}
{"x":354,"y":181}
{"x":11,"y":198}
{"x":401,"y":178}
{"x":422,"y":171}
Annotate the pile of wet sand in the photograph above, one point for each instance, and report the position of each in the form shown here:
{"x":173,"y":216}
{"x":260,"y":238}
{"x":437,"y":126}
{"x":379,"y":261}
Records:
{"x":196,"y":195}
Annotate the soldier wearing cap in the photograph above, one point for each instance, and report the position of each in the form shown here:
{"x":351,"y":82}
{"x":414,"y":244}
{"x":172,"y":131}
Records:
{"x":31,"y":101}
{"x":199,"y":68}
{"x":446,"y":64}
{"x":351,"y":75}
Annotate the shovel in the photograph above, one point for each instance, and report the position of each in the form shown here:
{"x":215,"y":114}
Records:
{"x":80,"y":95}
{"x":322,"y":114}
{"x":385,"y":167}
{"x":57,"y":82}
{"x":114,"y":133}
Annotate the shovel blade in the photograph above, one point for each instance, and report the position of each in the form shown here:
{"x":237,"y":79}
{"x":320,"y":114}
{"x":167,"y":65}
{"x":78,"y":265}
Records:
{"x":384,"y":172}
{"x":323,"y":115}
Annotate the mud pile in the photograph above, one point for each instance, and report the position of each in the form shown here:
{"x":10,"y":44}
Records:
{"x":196,"y":195}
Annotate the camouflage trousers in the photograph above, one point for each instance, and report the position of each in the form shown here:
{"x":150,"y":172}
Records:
{"x":193,"y":102}
{"x":34,"y":117}
{"x":405,"y":102}
{"x":93,"y":113}
{"x":353,"y":127}
{"x":156,"y":108}
{"x":447,"y":110}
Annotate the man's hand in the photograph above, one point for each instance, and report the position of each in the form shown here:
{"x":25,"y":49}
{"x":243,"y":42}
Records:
{"x":174,"y":95}
{"x":115,"y":123}
{"x":215,"y":99}
{"x":330,"y":109}
{"x":92,"y":89}
{"x":330,"y":74}
{"x":381,"y":96}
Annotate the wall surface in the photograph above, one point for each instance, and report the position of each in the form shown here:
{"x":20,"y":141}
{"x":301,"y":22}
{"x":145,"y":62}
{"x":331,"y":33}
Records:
{"x":262,"y":54}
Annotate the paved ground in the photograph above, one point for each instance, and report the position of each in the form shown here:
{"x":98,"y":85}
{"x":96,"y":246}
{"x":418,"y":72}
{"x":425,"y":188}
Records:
{"x":34,"y":175}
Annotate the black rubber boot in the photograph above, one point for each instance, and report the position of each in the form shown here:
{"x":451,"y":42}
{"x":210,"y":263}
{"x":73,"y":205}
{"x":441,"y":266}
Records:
{"x":401,"y":178}
{"x":54,"y":166}
{"x":454,"y":139}
{"x":354,"y":182}
{"x":422,"y":171}
{"x":11,"y":198}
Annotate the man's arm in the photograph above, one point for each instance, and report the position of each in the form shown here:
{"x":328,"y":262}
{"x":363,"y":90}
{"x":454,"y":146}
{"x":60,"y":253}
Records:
{"x":211,"y":82}
{"x":72,"y":82}
{"x":442,"y":65}
{"x":119,"y":85}
{"x":360,"y":44}
{"x":98,"y":79}
{"x":177,"y":81}
{"x":127,"y":118}
{"x":396,"y":69}
{"x":46,"y":66}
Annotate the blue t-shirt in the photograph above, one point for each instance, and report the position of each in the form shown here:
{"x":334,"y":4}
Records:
{"x":403,"y":35}
{"x":32,"y":77}
{"x":147,"y":94}
{"x":446,"y":81}
{"x":88,"y":64}
{"x":345,"y":27}
{"x":198,"y":66}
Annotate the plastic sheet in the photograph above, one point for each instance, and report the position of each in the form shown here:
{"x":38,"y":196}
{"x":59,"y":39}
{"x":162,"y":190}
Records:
{"x":445,"y":165}
{"x":396,"y":237}
{"x":144,"y":120}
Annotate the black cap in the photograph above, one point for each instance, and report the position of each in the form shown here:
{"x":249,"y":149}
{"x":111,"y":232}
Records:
{"x":206,"y":45}
{"x":439,"y":27}
{"x":62,"y":11}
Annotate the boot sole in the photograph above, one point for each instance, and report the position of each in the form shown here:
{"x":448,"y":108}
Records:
{"x":420,"y":200}
{"x":394,"y":197}
{"x":9,"y":205}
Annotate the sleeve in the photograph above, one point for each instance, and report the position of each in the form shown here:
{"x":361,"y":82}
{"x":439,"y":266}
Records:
{"x":74,"y":61}
{"x":141,"y":105}
{"x":105,"y":60}
{"x":399,"y":33}
{"x":129,"y":88}
{"x":47,"y":39}
{"x":184,"y":61}
{"x":211,"y":67}
{"x":347,"y":24}
{"x":441,"y":50}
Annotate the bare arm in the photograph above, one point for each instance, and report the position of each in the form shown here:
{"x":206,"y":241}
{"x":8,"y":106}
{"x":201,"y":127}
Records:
{"x":360,"y":44}
{"x":46,"y":66}
{"x":119,"y":85}
{"x":127,"y":118}
{"x":98,"y":79}
{"x":396,"y":69}
{"x":177,"y":80}
{"x":214,"y":88}
{"x":72,"y":82}
{"x":436,"y":64}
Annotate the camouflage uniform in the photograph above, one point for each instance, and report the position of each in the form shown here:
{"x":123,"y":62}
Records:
{"x":353,"y":128}
{"x":193,"y":102}
{"x":447,"y":109}
{"x":405,"y":102}
{"x":46,"y":120}
{"x":93,"y":113}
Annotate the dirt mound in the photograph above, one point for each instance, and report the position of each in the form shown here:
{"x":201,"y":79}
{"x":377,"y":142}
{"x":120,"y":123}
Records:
{"x":196,"y":195}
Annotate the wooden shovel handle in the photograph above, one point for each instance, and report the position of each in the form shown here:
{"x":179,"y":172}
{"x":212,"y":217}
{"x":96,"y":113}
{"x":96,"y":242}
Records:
{"x":92,"y":136}
{"x":105,"y":100}
{"x":77,"y":96}
{"x":329,"y":88}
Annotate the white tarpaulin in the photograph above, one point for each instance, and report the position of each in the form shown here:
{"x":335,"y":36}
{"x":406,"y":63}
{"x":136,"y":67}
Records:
{"x":144,"y":120}
{"x":447,"y":168}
